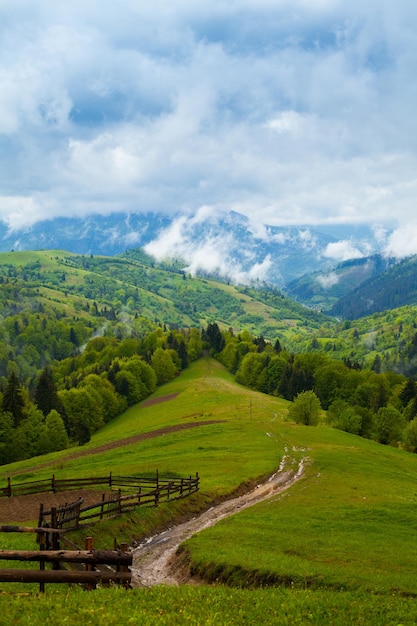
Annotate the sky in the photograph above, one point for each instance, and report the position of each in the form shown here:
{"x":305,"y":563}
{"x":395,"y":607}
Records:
{"x":287,"y":111}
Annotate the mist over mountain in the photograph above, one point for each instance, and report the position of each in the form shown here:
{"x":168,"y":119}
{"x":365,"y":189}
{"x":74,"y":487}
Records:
{"x":227,"y":245}
{"x":393,"y":288}
{"x":323,"y":289}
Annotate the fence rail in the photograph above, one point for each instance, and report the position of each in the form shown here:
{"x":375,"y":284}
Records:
{"x":54,"y":484}
{"x":74,"y":515}
{"x":90,"y":558}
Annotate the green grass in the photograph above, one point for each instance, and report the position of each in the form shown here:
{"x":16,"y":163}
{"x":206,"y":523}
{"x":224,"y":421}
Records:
{"x":205,"y":393}
{"x":215,"y":606}
{"x":348,"y":524}
{"x":340,"y":541}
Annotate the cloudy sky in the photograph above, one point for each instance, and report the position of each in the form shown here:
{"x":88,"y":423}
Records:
{"x":288,"y":111}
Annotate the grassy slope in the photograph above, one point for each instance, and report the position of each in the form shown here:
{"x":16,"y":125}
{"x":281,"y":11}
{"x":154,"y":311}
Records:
{"x":349,"y":524}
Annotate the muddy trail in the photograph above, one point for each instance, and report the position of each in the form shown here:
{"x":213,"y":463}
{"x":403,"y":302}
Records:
{"x":155,"y":561}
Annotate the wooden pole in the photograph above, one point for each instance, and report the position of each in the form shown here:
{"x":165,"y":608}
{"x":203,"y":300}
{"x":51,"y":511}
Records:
{"x":42,"y":546}
{"x":88,"y":566}
{"x":123,"y":568}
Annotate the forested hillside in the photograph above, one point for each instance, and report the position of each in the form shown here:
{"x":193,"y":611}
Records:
{"x":324,"y":289}
{"x":392,"y":289}
{"x":51,"y":302}
{"x":82,"y":338}
{"x":74,"y":397}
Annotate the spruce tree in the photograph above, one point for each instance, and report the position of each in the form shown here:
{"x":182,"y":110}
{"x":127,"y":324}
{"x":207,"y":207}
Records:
{"x":13,"y":399}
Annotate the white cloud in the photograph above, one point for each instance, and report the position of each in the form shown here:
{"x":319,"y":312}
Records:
{"x":342,"y":251}
{"x":195,"y":239}
{"x":328,"y":280}
{"x":402,"y":242}
{"x":289,"y":111}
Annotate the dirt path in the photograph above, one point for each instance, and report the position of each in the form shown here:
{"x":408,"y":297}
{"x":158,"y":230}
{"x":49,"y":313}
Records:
{"x":154,"y":561}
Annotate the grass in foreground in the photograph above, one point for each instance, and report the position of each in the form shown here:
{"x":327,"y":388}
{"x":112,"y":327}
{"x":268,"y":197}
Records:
{"x":349,"y":524}
{"x":216,"y":606}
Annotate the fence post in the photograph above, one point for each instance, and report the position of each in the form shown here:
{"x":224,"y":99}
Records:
{"x":53,"y":483}
{"x":124,"y":568}
{"x":157,"y":489}
{"x":9,"y":487}
{"x":103,"y":497}
{"x":89,"y":566}
{"x":40,"y":518}
{"x":78,"y":513}
{"x":42,"y":546}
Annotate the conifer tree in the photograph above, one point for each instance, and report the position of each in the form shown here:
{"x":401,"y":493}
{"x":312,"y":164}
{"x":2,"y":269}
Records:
{"x":13,"y":399}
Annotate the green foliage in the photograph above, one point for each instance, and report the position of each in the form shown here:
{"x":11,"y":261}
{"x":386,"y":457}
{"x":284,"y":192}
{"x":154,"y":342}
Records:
{"x":13,"y":398}
{"x":388,"y":425}
{"x":343,"y":416}
{"x":305,"y":409}
{"x":163,"y":365}
{"x":57,"y":435}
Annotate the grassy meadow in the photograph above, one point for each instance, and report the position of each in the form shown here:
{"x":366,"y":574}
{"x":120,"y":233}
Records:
{"x":336,"y":548}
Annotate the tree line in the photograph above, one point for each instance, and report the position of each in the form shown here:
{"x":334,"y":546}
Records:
{"x":72,"y":398}
{"x":76,"y":396}
{"x":376,"y":405}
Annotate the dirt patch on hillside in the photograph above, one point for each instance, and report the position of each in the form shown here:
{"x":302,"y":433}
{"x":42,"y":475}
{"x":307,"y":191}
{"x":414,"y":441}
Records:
{"x":152,"y":401}
{"x":125,"y":442}
{"x":26,"y":508}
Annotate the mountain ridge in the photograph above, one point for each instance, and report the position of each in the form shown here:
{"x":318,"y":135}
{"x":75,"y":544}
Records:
{"x":228,"y":245}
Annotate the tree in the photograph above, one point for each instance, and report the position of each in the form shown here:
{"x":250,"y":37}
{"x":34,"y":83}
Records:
{"x":46,"y":393}
{"x":163,"y":365}
{"x":388,"y":425}
{"x":84,"y":412}
{"x":408,"y":391}
{"x":305,"y":409}
{"x":195,"y":344}
{"x":344,"y":417}
{"x":32,"y":434}
{"x":13,"y":399}
{"x":250,"y":368}
{"x":57,"y":435}
{"x":214,"y":337}
{"x":410,"y":436}
{"x":7,"y":452}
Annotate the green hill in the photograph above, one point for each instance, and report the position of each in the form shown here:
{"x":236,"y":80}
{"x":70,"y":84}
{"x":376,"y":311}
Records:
{"x":391,"y":289}
{"x":323,"y":290}
{"x":337,"y":547}
{"x":51,"y":302}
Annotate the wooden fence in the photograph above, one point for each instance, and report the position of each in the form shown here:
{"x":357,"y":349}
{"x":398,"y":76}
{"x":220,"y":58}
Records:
{"x":74,"y":515}
{"x":89,"y":559}
{"x":127,"y":483}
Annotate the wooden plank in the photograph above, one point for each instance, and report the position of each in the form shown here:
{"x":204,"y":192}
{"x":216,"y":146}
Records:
{"x":61,"y":576}
{"x":29,"y":529}
{"x":111,"y":557}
